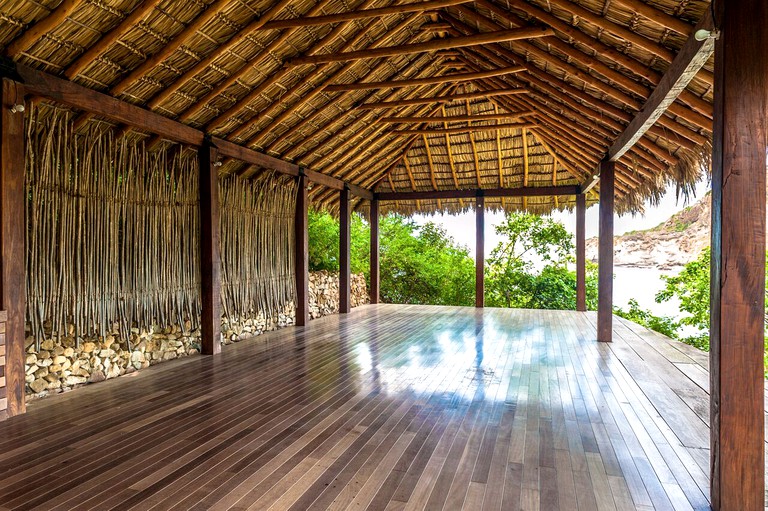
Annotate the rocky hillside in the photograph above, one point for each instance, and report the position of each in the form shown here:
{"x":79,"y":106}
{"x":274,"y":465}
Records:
{"x":676,"y":242}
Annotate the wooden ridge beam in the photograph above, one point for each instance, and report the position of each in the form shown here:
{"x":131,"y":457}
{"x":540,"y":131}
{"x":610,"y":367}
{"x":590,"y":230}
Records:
{"x":440,"y":99}
{"x":309,"y":21}
{"x":432,"y":45}
{"x":71,"y":94}
{"x":452,"y":78}
{"x":456,"y":118}
{"x":692,"y":57}
{"x":525,"y":191}
{"x":42,"y":27}
{"x":465,"y":129}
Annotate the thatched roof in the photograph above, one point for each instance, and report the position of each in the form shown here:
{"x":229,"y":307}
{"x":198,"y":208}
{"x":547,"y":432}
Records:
{"x":219,"y":66}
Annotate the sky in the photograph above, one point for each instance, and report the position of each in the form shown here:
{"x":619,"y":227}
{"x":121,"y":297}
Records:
{"x":462,"y":227}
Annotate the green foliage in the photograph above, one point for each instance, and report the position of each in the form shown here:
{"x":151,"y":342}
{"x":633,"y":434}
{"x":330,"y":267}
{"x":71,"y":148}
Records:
{"x":418,"y":265}
{"x":423,"y":265}
{"x":512,"y":279}
{"x":691,"y":288}
{"x":324,"y":242}
{"x":662,"y":324}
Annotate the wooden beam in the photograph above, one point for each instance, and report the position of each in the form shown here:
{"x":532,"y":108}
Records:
{"x":450,"y":151}
{"x":474,"y":146}
{"x":111,"y":37}
{"x":738,"y":256}
{"x":430,"y":161}
{"x":31,"y":35}
{"x":605,"y":253}
{"x":498,"y":152}
{"x":525,"y":164}
{"x":309,"y":21}
{"x":581,"y":274}
{"x":12,"y":251}
{"x":691,"y":58}
{"x":301,"y":251}
{"x":375,"y":273}
{"x":439,"y":99}
{"x":210,"y":251}
{"x":464,"y":129}
{"x":480,"y":251}
{"x":455,"y":118}
{"x":432,"y":45}
{"x":79,"y":97}
{"x":452,"y":78}
{"x":530,"y":191}
{"x":659,"y":17}
{"x":345,"y":296}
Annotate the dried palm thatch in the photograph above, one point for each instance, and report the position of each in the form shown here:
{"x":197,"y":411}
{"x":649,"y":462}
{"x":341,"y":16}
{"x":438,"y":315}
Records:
{"x":257,"y":244}
{"x":112,"y":231}
{"x":209,"y":65}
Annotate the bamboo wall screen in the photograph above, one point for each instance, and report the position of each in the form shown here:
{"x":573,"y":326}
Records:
{"x":113,"y":234}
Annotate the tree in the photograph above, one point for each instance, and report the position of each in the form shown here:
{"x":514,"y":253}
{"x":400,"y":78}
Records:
{"x":324,"y":231}
{"x":529,"y":269}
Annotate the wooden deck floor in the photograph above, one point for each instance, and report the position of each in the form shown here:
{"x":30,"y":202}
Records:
{"x":388,"y":408}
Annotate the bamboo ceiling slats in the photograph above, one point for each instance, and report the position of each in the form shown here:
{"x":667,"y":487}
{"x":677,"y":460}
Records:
{"x":275,"y":75}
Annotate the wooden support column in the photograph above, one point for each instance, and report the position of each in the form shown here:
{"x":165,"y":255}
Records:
{"x":605,"y":254}
{"x":345,"y":273}
{"x":581,"y":274}
{"x":301,"y":259}
{"x":12,"y":252}
{"x":480,"y":251}
{"x":738,"y":255}
{"x":374,"y":261}
{"x":210,"y":250}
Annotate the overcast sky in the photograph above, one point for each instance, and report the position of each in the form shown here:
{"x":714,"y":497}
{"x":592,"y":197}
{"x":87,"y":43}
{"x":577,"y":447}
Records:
{"x":462,"y":227}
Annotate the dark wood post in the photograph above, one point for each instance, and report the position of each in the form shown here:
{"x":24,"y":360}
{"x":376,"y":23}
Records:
{"x":480,"y":251}
{"x":374,"y":261}
{"x":302,"y":251}
{"x":12,"y":252}
{"x":581,"y":272}
{"x":210,"y":250}
{"x":738,"y":255}
{"x":345,"y":298}
{"x":605,"y":254}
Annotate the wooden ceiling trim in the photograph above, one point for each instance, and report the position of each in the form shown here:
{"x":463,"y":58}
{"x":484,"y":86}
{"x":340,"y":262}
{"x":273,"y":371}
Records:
{"x":31,"y":35}
{"x":438,"y":99}
{"x":318,"y":88}
{"x":463,"y":129}
{"x":455,"y":118}
{"x":246,"y":68}
{"x":449,"y":78}
{"x":360,"y":14}
{"x":425,"y":47}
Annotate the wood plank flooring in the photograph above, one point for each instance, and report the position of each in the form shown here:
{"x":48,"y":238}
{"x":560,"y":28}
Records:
{"x":388,"y":408}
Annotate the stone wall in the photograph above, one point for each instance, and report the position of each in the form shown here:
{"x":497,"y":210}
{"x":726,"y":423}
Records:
{"x":60,"y":364}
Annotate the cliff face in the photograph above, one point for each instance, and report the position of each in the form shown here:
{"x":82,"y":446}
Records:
{"x":676,"y":242}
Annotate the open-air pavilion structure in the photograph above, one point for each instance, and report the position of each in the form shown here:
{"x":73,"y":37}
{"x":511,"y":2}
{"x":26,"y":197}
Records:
{"x":157,"y":162}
